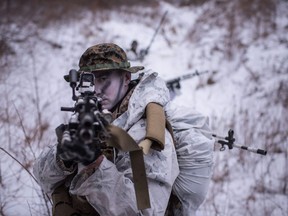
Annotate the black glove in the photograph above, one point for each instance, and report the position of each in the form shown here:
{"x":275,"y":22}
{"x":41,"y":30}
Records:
{"x":71,"y":149}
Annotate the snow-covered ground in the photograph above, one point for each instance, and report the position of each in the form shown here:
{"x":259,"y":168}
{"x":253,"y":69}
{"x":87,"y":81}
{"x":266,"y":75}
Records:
{"x":246,"y":90}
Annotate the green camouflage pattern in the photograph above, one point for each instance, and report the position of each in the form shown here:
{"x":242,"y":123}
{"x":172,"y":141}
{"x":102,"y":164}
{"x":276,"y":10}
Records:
{"x":106,"y":56}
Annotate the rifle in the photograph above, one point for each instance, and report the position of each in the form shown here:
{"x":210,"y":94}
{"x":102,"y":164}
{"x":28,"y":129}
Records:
{"x":86,"y":132}
{"x":174,"y":85}
{"x":230,"y":142}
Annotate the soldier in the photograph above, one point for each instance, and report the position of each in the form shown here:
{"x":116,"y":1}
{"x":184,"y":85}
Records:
{"x":132,"y":52}
{"x":142,"y":108}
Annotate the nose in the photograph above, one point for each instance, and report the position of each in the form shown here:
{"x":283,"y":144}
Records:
{"x":98,"y":91}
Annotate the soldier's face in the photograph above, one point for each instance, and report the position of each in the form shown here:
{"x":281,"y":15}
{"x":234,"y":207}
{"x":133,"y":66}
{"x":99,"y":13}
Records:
{"x":111,"y":87}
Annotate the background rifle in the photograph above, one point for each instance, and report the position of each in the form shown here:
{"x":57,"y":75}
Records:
{"x":86,"y":132}
{"x":174,"y":85}
{"x":144,"y":52}
{"x":230,"y":142}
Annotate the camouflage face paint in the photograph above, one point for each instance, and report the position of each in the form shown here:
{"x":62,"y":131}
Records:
{"x":110,"y":86}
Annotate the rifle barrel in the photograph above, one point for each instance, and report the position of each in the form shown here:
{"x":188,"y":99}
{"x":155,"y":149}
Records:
{"x":186,"y":76}
{"x":254,"y":150}
{"x":190,"y":75}
{"x":156,"y":32}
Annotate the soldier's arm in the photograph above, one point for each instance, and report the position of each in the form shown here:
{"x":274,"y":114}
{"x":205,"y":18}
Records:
{"x":50,"y":171}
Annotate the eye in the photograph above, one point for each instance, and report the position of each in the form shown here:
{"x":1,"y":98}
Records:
{"x":101,"y":79}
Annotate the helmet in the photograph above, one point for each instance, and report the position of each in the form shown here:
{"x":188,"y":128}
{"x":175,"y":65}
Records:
{"x":106,"y":56}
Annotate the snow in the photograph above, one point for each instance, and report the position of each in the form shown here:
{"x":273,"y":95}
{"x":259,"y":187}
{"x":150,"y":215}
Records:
{"x":246,"y":95}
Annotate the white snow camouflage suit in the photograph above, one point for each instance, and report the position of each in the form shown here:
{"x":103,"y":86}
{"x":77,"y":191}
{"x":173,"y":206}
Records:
{"x":110,"y":190}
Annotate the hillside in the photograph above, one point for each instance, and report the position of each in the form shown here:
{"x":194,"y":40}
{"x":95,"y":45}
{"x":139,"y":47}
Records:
{"x":242,"y":44}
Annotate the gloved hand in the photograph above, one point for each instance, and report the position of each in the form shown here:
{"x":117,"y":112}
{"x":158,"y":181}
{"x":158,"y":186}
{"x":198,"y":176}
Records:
{"x":72,"y":150}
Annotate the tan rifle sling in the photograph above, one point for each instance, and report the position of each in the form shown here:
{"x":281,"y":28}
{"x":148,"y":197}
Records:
{"x":155,"y":131}
{"x":120,"y":139}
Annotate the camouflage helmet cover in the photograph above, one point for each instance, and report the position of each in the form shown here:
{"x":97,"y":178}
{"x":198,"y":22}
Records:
{"x":106,"y":56}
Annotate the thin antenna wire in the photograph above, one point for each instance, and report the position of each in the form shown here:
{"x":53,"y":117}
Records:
{"x":155,"y":33}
